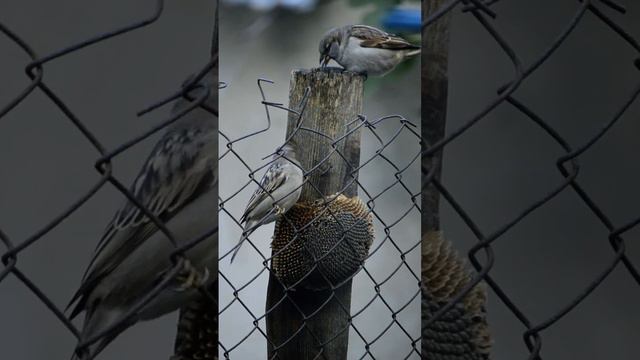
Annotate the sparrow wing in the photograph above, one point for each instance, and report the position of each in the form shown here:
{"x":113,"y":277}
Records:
{"x":178,"y":170}
{"x":272,"y":179}
{"x":376,"y":38}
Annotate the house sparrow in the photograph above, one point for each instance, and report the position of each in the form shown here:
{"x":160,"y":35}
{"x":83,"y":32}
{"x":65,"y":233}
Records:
{"x":279,"y":190}
{"x":364,"y":49}
{"x":178,"y":184}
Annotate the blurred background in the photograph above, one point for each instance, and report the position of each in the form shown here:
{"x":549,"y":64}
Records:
{"x":505,"y":162}
{"x":47,"y":164}
{"x":269,"y":40}
{"x":495,"y":169}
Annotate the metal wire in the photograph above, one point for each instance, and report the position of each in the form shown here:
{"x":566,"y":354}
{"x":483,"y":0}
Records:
{"x":399,"y":126}
{"x":567,"y":165}
{"x":483,"y":11}
{"x":35,"y":71}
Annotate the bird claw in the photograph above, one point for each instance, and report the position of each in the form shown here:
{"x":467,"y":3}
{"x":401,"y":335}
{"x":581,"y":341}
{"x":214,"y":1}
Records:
{"x":279,"y":210}
{"x":190,"y":278}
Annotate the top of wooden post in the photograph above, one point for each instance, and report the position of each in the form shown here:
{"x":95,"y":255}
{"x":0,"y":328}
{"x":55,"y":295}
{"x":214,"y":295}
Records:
{"x":330,"y":111}
{"x":334,"y":99}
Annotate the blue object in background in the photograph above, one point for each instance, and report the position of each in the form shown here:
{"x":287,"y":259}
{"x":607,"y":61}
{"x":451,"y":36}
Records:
{"x":268,"y":5}
{"x":403,"y":19}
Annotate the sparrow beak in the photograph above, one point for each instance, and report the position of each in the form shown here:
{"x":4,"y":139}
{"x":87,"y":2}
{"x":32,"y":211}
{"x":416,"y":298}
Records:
{"x":324,"y":60}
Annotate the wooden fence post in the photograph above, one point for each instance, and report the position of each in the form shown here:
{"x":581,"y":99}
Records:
{"x":334,"y":101}
{"x":435,"y":84}
{"x":444,"y":274}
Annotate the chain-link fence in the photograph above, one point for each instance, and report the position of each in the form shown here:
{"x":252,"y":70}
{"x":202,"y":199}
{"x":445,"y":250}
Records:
{"x":482,"y":255}
{"x":463,"y":300}
{"x":320,"y":246}
{"x":196,"y":99}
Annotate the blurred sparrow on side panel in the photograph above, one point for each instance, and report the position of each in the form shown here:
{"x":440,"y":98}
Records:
{"x":178,"y":185}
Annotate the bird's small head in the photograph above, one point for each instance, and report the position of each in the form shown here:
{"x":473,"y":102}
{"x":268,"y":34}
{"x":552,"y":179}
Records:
{"x":288,"y":149}
{"x":330,"y":46}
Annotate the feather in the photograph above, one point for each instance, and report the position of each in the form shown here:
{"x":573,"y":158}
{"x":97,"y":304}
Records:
{"x":272,"y":179}
{"x":177,"y":171}
{"x":375,"y":38}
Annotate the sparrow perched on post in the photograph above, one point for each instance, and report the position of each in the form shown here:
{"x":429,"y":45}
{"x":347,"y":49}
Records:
{"x":178,"y":185}
{"x":279,"y":190}
{"x":365,"y":49}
